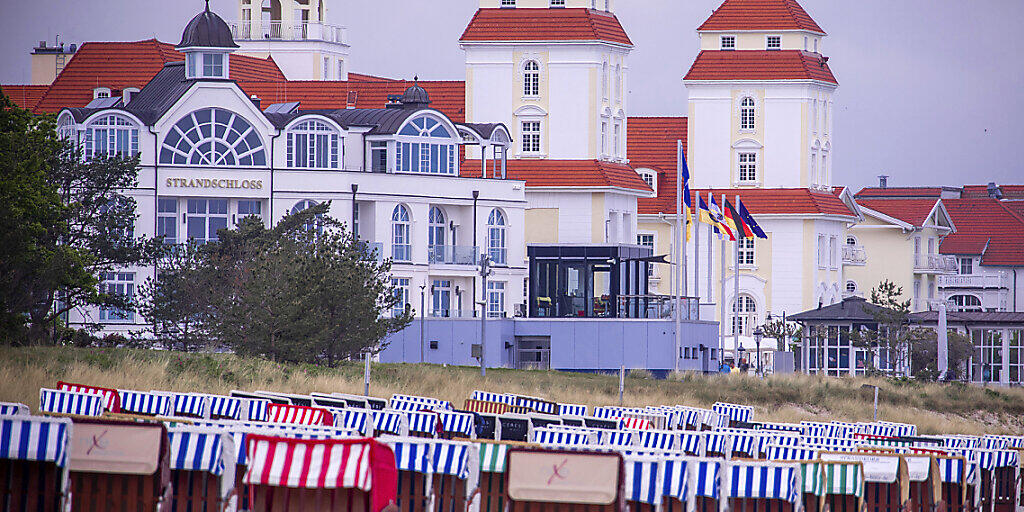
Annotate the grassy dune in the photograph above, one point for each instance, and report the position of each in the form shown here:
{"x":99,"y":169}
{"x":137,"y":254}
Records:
{"x":934,"y":408}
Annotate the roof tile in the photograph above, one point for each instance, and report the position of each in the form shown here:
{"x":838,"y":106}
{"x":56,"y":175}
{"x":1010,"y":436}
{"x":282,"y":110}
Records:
{"x":24,"y":96}
{"x":448,"y":97}
{"x":566,"y":173}
{"x":545,"y":25}
{"x":911,"y":211}
{"x":760,"y":65}
{"x":760,"y":15}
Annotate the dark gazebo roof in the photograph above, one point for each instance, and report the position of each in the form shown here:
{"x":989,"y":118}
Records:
{"x":415,"y":96}
{"x":207,"y":30}
{"x":970,"y":317}
{"x":851,"y":309}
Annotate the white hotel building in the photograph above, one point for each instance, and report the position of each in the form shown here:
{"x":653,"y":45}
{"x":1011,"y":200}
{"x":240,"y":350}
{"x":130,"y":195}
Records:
{"x":210,"y":155}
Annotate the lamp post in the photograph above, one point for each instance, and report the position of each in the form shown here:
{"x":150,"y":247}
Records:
{"x":758,"y":334}
{"x":740,"y":351}
{"x":866,"y":386}
{"x":485,"y":270}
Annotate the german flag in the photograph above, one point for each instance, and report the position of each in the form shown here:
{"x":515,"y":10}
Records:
{"x":733,"y":217}
{"x":713,"y":216}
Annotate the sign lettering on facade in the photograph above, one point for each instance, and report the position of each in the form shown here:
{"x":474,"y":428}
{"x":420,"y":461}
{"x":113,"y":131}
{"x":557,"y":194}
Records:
{"x":213,"y":183}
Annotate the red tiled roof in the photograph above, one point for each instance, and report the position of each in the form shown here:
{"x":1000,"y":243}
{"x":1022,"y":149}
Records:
{"x":130,"y":64}
{"x":902,"y":192}
{"x":360,"y":77}
{"x":760,"y":15}
{"x":544,"y":25}
{"x":985,"y":219}
{"x":447,"y":97}
{"x":1015,"y":206}
{"x":651,"y":143}
{"x":911,"y":211}
{"x":24,"y":96}
{"x":566,"y":173}
{"x":760,"y":65}
{"x":1009,"y":191}
{"x":773,"y":201}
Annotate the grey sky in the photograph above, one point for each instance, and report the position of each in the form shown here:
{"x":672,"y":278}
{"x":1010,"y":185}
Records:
{"x":929,"y":89}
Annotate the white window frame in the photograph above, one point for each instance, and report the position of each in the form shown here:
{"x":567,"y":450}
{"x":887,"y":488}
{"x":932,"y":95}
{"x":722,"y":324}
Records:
{"x":822,"y":252}
{"x":508,"y":3}
{"x":833,"y":249}
{"x":722,"y":39}
{"x":166,"y":217}
{"x":401,"y":286}
{"x":101,"y":92}
{"x":212,"y":68}
{"x":495,"y":299}
{"x":401,"y":234}
{"x":744,"y":318}
{"x":436,"y":229}
{"x":968,"y":264}
{"x":497,"y":237}
{"x":604,"y":80}
{"x":746,"y":163}
{"x":239,"y":214}
{"x":441,"y":298}
{"x":748,"y":114}
{"x":117,"y":283}
{"x":851,"y":284}
{"x":206,"y":215}
{"x":618,"y":83}
{"x":768,"y":42}
{"x":650,"y":178}
{"x":321,"y":141}
{"x":531,"y":134}
{"x":531,"y":79}
{"x":119,"y":133}
{"x":642,"y":241}
{"x":617,"y":138}
{"x":557,"y":3}
{"x":746,"y":252}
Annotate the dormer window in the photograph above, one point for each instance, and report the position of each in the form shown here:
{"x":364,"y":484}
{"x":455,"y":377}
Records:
{"x":206,"y":65}
{"x":101,"y":92}
{"x":728,"y":42}
{"x":774,"y":43}
{"x":650,"y":178}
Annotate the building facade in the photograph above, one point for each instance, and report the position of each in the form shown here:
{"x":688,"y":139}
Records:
{"x":209,"y":155}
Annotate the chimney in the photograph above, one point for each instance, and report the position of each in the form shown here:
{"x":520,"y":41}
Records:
{"x":255,"y":101}
{"x":883,"y":181}
{"x":42,"y":44}
{"x":993,"y":190}
{"x":127,"y":94}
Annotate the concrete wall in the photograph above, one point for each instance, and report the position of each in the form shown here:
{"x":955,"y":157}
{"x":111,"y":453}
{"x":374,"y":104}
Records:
{"x":576,"y":344}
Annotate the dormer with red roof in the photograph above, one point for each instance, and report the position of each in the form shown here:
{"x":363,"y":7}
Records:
{"x":760,"y":98}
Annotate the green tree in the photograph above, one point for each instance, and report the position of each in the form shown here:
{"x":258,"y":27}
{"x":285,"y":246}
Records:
{"x":305,"y":290}
{"x":178,"y":303}
{"x":66,"y":221}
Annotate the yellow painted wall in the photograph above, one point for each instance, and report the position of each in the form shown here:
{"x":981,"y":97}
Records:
{"x":758,"y":41}
{"x":660,"y":282}
{"x":44,"y":68}
{"x":542,"y":226}
{"x":597,"y":219}
{"x":889,"y":254}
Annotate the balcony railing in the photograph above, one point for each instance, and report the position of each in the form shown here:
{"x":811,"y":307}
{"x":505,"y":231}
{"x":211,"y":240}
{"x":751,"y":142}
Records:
{"x":854,"y":255}
{"x":373,"y":250}
{"x":935,"y":263}
{"x":288,"y":31}
{"x":657,"y":306}
{"x":401,"y":252}
{"x":452,"y":255}
{"x":972,"y":281}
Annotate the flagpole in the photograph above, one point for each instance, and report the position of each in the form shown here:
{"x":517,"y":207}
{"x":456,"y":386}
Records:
{"x":721,"y":299}
{"x":680,"y":268}
{"x":736,"y":289}
{"x":696,"y":252}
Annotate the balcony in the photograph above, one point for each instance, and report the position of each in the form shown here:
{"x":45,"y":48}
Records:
{"x":452,"y":255}
{"x":973,"y":281}
{"x":854,"y":255}
{"x":288,"y":31}
{"x":935,"y":264}
{"x":373,"y":250}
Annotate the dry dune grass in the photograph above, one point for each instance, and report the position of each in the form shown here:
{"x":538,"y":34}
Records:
{"x":934,"y":408}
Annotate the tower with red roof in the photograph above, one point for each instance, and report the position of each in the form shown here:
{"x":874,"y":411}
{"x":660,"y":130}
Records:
{"x":760,"y":98}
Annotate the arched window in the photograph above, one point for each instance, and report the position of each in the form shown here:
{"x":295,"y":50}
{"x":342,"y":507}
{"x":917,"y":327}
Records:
{"x":851,"y":287}
{"x":851,"y":240}
{"x":314,"y":145}
{"x":111,"y":135}
{"x":496,"y":237}
{"x":966,"y":302}
{"x":437,"y":228}
{"x":426,"y":145}
{"x":747,"y":114}
{"x":313,"y":223}
{"x":213,"y":137}
{"x":65,"y":127}
{"x":744,"y":316}
{"x":531,"y":78}
{"x":401,"y":243}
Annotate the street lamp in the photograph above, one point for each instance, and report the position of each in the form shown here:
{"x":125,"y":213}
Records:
{"x":740,"y":351}
{"x":758,"y":334}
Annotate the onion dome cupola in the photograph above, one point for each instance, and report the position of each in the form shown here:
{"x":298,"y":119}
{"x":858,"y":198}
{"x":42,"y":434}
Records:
{"x":415,"y":96}
{"x":206,"y":43}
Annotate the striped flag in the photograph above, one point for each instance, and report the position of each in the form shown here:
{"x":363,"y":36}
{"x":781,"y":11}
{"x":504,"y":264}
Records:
{"x":749,"y":220}
{"x":734,"y":220}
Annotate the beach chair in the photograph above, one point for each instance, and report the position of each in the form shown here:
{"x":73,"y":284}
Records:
{"x":12,"y":409}
{"x":115,"y":465}
{"x":202,"y":469}
{"x":886,"y":480}
{"x":111,"y":398}
{"x":924,"y":482}
{"x":70,"y":403}
{"x":34,"y":463}
{"x":999,"y":478}
{"x":953,"y":481}
{"x":313,"y":475}
{"x":761,"y":486}
{"x":543,"y":479}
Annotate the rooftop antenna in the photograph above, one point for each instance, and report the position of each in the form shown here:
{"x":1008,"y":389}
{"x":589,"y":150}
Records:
{"x":207,"y":5}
